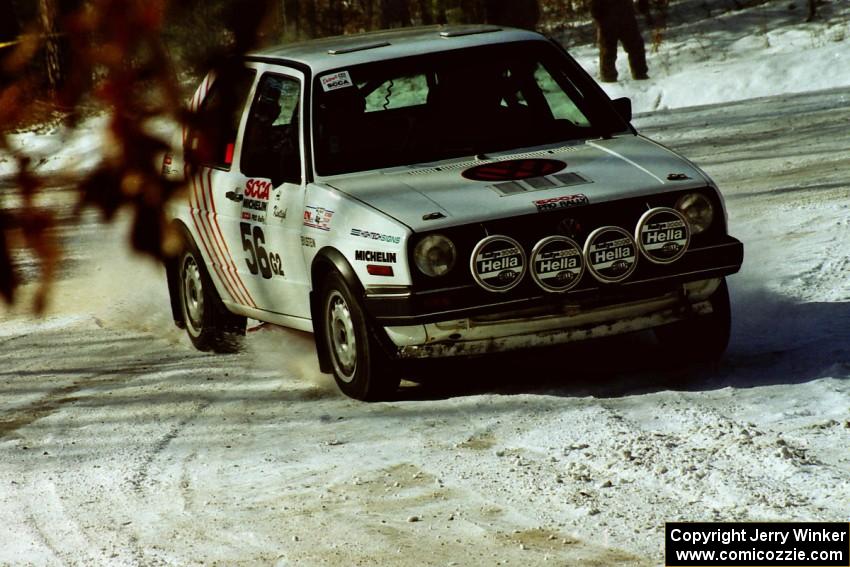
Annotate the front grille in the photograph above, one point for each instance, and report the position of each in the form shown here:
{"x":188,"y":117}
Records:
{"x":576,"y":223}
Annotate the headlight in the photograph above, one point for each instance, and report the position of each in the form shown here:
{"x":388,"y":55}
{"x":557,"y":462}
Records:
{"x":435,"y":255}
{"x":698,"y":210}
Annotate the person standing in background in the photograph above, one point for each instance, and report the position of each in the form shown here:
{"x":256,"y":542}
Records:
{"x":616,"y":22}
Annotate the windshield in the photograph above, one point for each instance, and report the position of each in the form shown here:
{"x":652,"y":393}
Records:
{"x":452,"y":104}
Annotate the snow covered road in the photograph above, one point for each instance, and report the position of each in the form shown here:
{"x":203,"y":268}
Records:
{"x":121,"y":445}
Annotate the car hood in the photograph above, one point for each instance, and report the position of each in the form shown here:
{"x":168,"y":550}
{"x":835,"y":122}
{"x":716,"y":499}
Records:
{"x":433,"y":196}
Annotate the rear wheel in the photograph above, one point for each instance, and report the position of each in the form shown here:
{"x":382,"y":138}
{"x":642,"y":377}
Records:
{"x":208,"y":322}
{"x":701,"y":339}
{"x":361,"y":369}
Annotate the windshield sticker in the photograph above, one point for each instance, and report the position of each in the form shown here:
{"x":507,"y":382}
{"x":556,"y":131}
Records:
{"x":318,"y":217}
{"x":514,"y":170}
{"x":336,"y":81}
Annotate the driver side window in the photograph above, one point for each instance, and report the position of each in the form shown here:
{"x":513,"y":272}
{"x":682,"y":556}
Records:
{"x":272,"y":148}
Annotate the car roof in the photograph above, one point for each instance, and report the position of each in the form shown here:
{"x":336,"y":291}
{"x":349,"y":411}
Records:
{"x":322,"y":55}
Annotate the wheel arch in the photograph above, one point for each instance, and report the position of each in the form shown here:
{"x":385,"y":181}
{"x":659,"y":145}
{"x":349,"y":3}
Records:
{"x":328,"y":260}
{"x":172,"y":272}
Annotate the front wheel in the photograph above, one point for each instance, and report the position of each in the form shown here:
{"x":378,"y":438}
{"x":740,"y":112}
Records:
{"x":208,"y":322}
{"x":701,"y":340}
{"x":361,"y":369}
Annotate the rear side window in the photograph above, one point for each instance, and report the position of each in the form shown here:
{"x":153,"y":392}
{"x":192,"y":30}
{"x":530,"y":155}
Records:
{"x":272,"y":145}
{"x":212,"y":139}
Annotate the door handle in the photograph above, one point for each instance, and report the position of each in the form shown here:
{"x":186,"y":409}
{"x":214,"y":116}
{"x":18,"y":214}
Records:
{"x":234,"y":196}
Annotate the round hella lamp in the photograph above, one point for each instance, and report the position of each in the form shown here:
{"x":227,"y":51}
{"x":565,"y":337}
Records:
{"x":698,"y":210}
{"x":435,"y":255}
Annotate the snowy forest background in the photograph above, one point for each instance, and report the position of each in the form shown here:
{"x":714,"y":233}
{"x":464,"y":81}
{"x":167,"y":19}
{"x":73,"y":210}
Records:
{"x":133,"y":63}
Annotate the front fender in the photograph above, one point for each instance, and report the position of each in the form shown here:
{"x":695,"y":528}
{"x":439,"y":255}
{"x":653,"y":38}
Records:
{"x":328,"y":260}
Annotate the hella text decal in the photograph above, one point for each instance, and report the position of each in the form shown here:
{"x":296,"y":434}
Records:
{"x":557,"y":263}
{"x":498,"y":263}
{"x":663,"y":235}
{"x":611,"y":254}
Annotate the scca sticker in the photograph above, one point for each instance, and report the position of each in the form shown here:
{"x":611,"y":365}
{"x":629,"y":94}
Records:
{"x":256,"y":200}
{"x":258,"y":189}
{"x":336,"y":81}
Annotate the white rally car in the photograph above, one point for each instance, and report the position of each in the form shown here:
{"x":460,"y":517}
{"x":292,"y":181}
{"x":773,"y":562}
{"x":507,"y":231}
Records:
{"x":438,"y":192}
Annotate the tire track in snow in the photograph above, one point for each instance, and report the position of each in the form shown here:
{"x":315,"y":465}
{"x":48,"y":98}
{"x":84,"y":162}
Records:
{"x":141,"y":478}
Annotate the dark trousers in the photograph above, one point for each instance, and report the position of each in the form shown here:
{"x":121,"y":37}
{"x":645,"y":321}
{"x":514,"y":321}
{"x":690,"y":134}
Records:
{"x":612,"y":30}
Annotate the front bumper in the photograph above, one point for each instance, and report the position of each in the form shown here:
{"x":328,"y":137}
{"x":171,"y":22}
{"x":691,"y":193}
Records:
{"x":541,"y":327}
{"x":404,"y":307}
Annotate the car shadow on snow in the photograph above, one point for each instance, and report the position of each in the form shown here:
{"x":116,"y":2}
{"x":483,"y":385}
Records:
{"x":775,"y":340}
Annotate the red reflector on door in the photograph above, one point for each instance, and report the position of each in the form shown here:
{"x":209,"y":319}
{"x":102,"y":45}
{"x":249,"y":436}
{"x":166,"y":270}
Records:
{"x":379,"y":270}
{"x":228,"y":153}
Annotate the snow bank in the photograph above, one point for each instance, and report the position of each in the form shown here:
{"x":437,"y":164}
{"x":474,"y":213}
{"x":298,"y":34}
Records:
{"x":762,"y":51}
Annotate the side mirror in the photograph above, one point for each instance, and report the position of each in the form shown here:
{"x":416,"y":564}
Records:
{"x":623,"y":106}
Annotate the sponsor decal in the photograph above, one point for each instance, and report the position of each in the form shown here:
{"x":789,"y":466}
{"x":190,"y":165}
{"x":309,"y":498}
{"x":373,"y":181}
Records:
{"x":557,"y":263}
{"x":513,"y":170}
{"x":318,"y":218}
{"x":308,"y":242}
{"x":372,"y":256}
{"x":663,"y":235}
{"x":566,"y":202}
{"x":255,"y":202}
{"x":336,"y":81}
{"x":279,"y":213}
{"x":258,"y":189}
{"x":611,"y":254}
{"x":375,"y":236}
{"x":255,"y":205}
{"x":498,"y":263}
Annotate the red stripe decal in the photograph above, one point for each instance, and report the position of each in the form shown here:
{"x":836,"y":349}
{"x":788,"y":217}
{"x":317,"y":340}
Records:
{"x":194,"y":213}
{"x":203,"y":233}
{"x":216,"y":236}
{"x":228,"y":256}
{"x":221,"y":243}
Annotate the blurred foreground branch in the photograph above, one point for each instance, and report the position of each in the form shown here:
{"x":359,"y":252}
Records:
{"x":102,"y":56}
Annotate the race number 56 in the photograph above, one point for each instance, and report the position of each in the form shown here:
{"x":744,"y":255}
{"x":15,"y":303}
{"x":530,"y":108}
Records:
{"x":259,"y":261}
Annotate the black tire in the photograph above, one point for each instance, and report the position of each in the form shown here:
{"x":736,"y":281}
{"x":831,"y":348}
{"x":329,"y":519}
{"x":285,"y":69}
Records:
{"x":703,"y":339}
{"x":361,"y":369}
{"x":210,"y":326}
